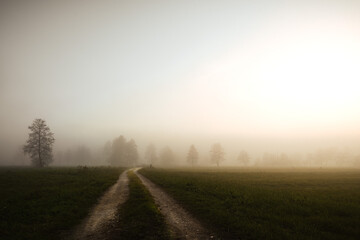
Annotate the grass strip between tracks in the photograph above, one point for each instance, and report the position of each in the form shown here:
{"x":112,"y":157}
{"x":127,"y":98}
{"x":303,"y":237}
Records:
{"x":139,"y":217}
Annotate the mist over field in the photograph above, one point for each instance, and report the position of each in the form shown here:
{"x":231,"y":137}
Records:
{"x":179,"y":119}
{"x":278,"y":80}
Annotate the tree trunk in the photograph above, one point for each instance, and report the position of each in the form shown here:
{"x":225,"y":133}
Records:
{"x":39,"y":150}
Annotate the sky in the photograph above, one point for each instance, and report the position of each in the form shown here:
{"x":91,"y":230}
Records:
{"x":181,"y":71}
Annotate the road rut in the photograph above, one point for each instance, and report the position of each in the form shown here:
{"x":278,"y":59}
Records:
{"x":182,"y":224}
{"x":97,"y":224}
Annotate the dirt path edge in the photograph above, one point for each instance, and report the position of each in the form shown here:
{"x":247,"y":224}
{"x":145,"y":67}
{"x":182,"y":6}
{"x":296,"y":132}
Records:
{"x":181,"y":223}
{"x":101,"y":217}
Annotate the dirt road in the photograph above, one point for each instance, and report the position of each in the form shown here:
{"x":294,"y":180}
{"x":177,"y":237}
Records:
{"x":182,"y":224}
{"x":96,"y":225}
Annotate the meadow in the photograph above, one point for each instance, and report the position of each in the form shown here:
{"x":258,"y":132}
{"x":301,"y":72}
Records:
{"x":48,"y":203}
{"x":268,"y":204}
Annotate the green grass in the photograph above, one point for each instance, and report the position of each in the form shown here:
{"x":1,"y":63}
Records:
{"x":47,"y":203}
{"x":139,"y":217}
{"x":268,"y":204}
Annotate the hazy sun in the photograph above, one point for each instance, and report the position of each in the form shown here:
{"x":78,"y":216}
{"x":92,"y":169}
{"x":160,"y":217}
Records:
{"x":292,"y":76}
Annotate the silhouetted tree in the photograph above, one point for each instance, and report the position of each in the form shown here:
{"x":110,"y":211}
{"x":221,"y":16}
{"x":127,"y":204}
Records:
{"x":39,"y":144}
{"x":122,"y":152}
{"x":150,"y":154}
{"x":243,"y":158}
{"x":167,"y":156}
{"x":118,"y":152}
{"x":132,"y":153}
{"x":192,"y":156}
{"x":217,"y":154}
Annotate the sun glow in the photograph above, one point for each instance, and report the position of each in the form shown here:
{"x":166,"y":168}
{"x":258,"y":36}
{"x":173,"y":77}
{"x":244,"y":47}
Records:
{"x":287,"y":77}
{"x":316,"y":73}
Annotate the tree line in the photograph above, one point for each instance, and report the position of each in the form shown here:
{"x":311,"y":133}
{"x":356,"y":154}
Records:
{"x":119,"y":152}
{"x":123,"y":152}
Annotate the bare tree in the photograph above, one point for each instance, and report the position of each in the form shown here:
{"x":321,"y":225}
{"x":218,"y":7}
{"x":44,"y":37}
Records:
{"x":192,"y":156}
{"x":217,"y":154}
{"x":243,"y":158}
{"x":150,"y":154}
{"x":39,"y":144}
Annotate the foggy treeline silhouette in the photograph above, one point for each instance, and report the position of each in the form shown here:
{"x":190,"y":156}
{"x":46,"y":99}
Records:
{"x":82,"y":155}
{"x":123,"y":152}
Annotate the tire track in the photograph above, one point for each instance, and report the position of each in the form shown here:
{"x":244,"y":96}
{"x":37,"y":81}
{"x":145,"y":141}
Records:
{"x":101,"y":218}
{"x":182,"y":225}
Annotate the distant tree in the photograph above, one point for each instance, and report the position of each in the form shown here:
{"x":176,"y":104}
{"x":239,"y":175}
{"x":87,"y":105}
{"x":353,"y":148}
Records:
{"x":39,"y":144}
{"x":150,"y":154}
{"x":132,"y":153}
{"x":122,"y":152}
{"x":192,"y":156}
{"x":118,"y":152}
{"x":217,"y":154}
{"x":243,"y":158}
{"x":167,"y":156}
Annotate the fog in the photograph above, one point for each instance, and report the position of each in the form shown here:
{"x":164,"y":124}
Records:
{"x":277,"y":79}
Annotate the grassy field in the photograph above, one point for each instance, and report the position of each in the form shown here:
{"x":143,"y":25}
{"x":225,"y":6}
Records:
{"x":48,"y":203}
{"x":139,"y":218}
{"x":268,"y":204}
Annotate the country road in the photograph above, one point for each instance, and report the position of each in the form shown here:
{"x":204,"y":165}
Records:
{"x":101,"y":221}
{"x":96,"y":225}
{"x":182,"y":225}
